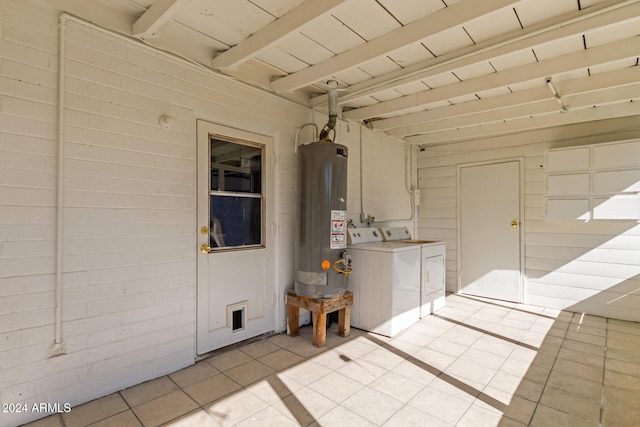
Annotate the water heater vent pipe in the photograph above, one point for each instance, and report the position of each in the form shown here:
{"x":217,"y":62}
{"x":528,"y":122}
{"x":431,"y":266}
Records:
{"x":333,"y":110}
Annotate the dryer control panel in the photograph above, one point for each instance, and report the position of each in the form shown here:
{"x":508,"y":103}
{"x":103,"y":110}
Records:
{"x":356,"y":236}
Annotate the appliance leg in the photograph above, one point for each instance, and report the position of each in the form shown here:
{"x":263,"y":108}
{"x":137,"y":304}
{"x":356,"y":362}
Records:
{"x":319,"y":328}
{"x":293,"y":320}
{"x":344,"y":321}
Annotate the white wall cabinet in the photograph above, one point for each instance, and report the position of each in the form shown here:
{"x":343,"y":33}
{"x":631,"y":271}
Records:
{"x":594,"y":182}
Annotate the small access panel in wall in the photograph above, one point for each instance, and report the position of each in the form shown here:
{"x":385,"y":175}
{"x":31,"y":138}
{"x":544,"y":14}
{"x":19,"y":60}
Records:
{"x":595,"y":182}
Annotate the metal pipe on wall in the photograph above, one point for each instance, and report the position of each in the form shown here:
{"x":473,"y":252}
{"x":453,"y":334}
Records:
{"x":59,"y":346}
{"x":332,"y":94}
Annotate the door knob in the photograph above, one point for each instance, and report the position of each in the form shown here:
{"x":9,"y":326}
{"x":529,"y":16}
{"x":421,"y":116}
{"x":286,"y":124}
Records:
{"x":514,"y":224}
{"x":205,"y":249}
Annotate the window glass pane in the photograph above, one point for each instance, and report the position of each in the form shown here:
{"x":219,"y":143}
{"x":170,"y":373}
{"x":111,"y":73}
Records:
{"x":235,"y":221}
{"x":235,"y":200}
{"x":235,"y":167}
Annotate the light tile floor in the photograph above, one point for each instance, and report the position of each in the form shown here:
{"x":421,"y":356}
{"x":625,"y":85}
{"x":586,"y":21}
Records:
{"x":474,"y":363}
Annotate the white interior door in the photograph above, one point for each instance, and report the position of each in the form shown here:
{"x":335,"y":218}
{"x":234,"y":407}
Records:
{"x":235,"y":298}
{"x":489,"y":254}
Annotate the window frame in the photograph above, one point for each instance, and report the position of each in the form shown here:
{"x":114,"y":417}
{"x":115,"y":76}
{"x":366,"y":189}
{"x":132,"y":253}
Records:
{"x":248,"y":195}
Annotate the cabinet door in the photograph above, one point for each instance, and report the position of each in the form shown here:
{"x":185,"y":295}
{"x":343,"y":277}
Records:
{"x":568,"y":159}
{"x":434,"y":275}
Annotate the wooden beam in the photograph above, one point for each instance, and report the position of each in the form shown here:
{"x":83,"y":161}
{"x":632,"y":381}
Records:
{"x":589,"y":19}
{"x":530,"y":123}
{"x":401,"y":125}
{"x":611,"y":52}
{"x":468,"y":150}
{"x":518,"y":104}
{"x":155,"y":17}
{"x":411,"y":124}
{"x":451,"y":16}
{"x":281,"y":27}
{"x":547,"y":106}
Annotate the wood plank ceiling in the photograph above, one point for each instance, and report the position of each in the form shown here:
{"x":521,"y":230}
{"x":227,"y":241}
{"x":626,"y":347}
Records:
{"x":427,"y":71}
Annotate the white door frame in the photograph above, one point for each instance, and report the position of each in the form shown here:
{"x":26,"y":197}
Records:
{"x":521,"y":221}
{"x":204,"y":129}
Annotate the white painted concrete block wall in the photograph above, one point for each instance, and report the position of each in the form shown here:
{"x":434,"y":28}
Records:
{"x":584,"y":267}
{"x":129,"y":265}
{"x":27,"y":197}
{"x":129,"y":218}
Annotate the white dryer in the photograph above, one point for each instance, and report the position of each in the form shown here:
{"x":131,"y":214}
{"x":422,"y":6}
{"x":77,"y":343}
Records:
{"x":432,"y":271}
{"x":385,"y":282}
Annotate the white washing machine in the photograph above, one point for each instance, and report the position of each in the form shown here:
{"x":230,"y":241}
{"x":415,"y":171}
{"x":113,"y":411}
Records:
{"x":385,"y":282}
{"x":432,"y":271}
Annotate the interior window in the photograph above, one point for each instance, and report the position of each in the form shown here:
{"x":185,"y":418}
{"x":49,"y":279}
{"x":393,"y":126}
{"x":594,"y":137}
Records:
{"x":235,"y":194}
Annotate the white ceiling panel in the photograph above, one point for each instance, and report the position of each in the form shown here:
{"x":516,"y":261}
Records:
{"x":462,"y":99}
{"x":535,"y":12}
{"x":490,"y":93}
{"x":613,"y":66}
{"x":474,"y":70}
{"x":281,"y":59}
{"x":436,"y":105}
{"x":379,"y":66}
{"x":230,"y":21}
{"x":499,"y":22}
{"x":513,"y":60}
{"x":500,"y":51}
{"x":194,"y":36}
{"x":447,"y":41}
{"x":585,"y":4}
{"x":571,"y":75}
{"x":412,"y":87}
{"x":622,"y":31}
{"x":366,"y":101}
{"x":439,"y":80}
{"x":264,"y":67}
{"x":387,"y":95}
{"x":403,"y":113}
{"x":410,"y":54}
{"x":559,"y":48}
{"x":128,"y":6}
{"x":277,"y":8}
{"x":304,"y":48}
{"x":332,"y":34}
{"x":366,"y":17}
{"x":352,"y":75}
{"x":527,"y":84}
{"x":409,"y":11}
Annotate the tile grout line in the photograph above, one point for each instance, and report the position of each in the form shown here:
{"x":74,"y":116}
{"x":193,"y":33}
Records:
{"x":555,"y":359}
{"x":468,"y":347}
{"x":514,"y":392}
{"x":604,"y":370}
{"x":537,"y":403}
{"x":128,"y":406}
{"x":186,"y":394}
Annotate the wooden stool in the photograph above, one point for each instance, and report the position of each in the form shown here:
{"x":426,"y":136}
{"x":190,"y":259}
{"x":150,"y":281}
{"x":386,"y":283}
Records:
{"x":320,"y":308}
